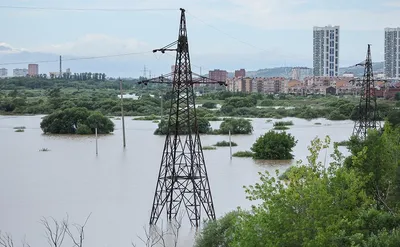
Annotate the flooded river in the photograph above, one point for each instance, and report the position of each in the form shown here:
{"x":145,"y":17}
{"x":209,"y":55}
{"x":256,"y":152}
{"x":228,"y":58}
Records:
{"x":117,"y":186}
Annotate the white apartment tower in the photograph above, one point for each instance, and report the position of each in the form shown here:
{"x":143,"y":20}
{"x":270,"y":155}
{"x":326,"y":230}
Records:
{"x":392,"y":52}
{"x":326,"y":51}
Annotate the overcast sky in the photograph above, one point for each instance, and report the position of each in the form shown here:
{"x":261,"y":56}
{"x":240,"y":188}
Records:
{"x":225,"y":34}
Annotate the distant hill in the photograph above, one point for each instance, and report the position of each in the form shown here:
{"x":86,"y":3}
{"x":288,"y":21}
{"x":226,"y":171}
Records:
{"x":286,"y":71}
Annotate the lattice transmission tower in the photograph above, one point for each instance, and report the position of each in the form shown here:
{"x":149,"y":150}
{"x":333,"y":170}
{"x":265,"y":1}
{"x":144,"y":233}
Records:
{"x":183,"y":175}
{"x":368,"y":115}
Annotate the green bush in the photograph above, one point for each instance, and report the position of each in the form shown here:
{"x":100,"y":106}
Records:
{"x":225,"y":144}
{"x":203,"y":124}
{"x":281,"y":128}
{"x":209,"y":105}
{"x":148,"y":118}
{"x":243,"y":154}
{"x":209,"y":148}
{"x":336,"y":115}
{"x":267,"y":102}
{"x":68,"y":121}
{"x":274,"y":146}
{"x":83,"y":129}
{"x":283,"y":123}
{"x":236,"y":126}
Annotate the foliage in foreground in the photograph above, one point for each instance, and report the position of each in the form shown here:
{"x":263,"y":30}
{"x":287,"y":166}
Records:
{"x":77,"y":120}
{"x":321,"y":204}
{"x":274,"y":146}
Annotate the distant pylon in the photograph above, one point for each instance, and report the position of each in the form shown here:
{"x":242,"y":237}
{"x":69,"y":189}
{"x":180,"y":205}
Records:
{"x":368,"y":117}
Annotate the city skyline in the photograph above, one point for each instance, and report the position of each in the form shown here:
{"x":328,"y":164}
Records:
{"x":247,"y":38}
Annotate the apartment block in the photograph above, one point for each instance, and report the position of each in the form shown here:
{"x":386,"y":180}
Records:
{"x":240,"y":73}
{"x":299,"y":73}
{"x":3,"y":72}
{"x":218,"y":75}
{"x":392,"y":52}
{"x":20,"y":72}
{"x":33,"y":69}
{"x":326,"y":51}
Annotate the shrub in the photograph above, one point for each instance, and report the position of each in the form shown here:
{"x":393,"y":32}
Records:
{"x":336,"y":115}
{"x":236,"y":126}
{"x":83,"y":129}
{"x":267,"y":103}
{"x":209,"y":105}
{"x":203,"y":124}
{"x":283,"y":123}
{"x":67,"y":122}
{"x":209,"y":148}
{"x":274,"y":146}
{"x":148,"y":118}
{"x":19,"y":130}
{"x":281,"y":127}
{"x":243,"y":154}
{"x":225,"y":144}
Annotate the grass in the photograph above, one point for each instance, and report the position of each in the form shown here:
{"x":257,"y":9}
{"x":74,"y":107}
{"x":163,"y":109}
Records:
{"x":209,"y":148}
{"x":225,"y":144}
{"x":243,"y":154}
{"x":281,"y":128}
{"x":19,"y":130}
{"x":44,"y":150}
{"x":118,"y":118}
{"x":283,"y":123}
{"x":268,"y":120}
{"x":155,"y":121}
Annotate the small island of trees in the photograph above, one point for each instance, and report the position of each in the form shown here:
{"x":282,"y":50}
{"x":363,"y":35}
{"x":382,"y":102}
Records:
{"x":76,"y":120}
{"x":271,"y":146}
{"x":235,"y":125}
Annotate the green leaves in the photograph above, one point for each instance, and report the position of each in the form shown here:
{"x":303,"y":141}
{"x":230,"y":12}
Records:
{"x":274,"y":146}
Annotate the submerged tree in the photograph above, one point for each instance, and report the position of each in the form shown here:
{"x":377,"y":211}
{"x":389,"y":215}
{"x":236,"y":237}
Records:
{"x":274,"y":146}
{"x":77,"y":120}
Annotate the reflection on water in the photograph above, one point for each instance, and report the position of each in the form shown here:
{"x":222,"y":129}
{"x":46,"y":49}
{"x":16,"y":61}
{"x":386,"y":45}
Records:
{"x":117,"y":186}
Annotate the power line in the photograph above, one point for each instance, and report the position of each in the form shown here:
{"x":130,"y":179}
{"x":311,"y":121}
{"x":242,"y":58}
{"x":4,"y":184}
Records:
{"x":80,"y":58}
{"x":85,"y":9}
{"x":227,"y":34}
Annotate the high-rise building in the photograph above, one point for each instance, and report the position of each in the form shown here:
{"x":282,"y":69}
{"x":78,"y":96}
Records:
{"x":326,"y":51}
{"x":299,"y":73}
{"x":218,"y":75}
{"x":20,"y":72}
{"x":3,"y":72}
{"x":240,"y":73}
{"x":33,"y":69}
{"x":392,"y":52}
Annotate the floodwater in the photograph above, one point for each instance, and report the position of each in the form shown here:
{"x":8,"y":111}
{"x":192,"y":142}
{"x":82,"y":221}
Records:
{"x":117,"y":186}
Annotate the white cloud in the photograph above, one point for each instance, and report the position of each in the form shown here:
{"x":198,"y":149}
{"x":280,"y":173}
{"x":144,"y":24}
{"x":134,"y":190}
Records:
{"x":7,"y":48}
{"x":95,"y":45}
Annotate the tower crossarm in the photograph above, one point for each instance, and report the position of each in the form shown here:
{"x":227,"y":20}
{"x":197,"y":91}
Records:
{"x":160,"y":79}
{"x":168,"y":79}
{"x":205,"y":80}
